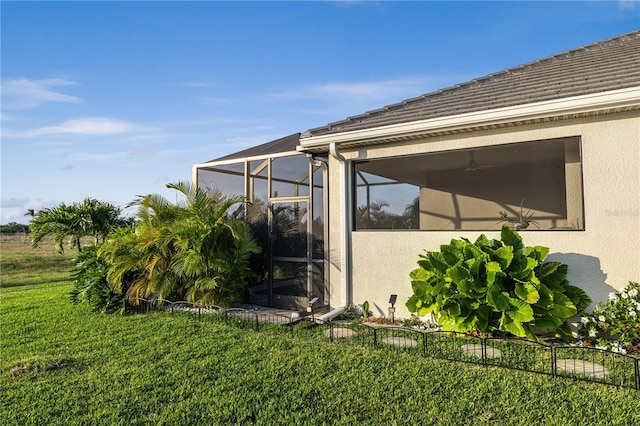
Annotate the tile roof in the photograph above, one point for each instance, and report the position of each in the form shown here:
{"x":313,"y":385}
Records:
{"x":285,"y":144}
{"x":599,"y":67}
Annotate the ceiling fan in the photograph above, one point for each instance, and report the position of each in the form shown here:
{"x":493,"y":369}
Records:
{"x":473,"y":165}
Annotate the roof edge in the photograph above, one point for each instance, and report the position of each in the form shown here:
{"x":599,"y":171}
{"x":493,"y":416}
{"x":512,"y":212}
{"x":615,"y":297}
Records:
{"x":243,"y":159}
{"x":546,"y":109}
{"x":452,"y":89}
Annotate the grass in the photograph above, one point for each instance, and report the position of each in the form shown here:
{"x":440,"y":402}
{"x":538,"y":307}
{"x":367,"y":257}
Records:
{"x":23,"y":266}
{"x":62,"y":364}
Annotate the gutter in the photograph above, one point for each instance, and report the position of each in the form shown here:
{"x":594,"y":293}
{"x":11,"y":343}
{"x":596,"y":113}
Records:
{"x":333,"y":150}
{"x":345,"y":228}
{"x":330,"y":315}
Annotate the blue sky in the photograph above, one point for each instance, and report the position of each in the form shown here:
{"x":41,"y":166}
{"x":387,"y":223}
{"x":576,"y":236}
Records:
{"x":112,"y":100}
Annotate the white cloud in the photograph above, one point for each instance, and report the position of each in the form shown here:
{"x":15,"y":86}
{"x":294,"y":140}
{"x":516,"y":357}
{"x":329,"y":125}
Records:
{"x":6,"y":203}
{"x":15,"y":209}
{"x":336,"y":100}
{"x":628,"y":4}
{"x":197,"y":84}
{"x":13,"y":214}
{"x":134,"y":155}
{"x":92,"y":126}
{"x":86,"y":156}
{"x":369,"y":90}
{"x":24,"y":93}
{"x":50,"y":144}
{"x":211,"y":100}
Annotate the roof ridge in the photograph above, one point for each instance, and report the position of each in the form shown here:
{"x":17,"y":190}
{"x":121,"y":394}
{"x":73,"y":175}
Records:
{"x":565,"y":53}
{"x":407,"y":103}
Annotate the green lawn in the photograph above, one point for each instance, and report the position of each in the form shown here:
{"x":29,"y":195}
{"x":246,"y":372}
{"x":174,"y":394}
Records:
{"x":62,"y":364}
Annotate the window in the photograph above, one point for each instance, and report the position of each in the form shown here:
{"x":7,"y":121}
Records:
{"x":466,"y":189}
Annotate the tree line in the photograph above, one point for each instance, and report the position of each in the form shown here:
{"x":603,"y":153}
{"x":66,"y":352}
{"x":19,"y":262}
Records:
{"x":14,"y":228}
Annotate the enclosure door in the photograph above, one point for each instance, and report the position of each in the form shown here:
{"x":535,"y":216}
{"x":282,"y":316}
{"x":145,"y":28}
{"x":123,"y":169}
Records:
{"x":292,"y":271}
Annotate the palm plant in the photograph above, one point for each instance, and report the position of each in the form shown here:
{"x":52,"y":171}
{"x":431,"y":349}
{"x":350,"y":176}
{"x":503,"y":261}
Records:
{"x":193,"y":249}
{"x":99,"y":218}
{"x":372,"y":215}
{"x":73,"y":222}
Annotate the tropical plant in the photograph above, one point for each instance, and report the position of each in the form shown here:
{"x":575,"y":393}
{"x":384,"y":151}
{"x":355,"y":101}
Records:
{"x":91,"y":217}
{"x":193,"y":249}
{"x":495,"y":285}
{"x":366,"y":312}
{"x":411,"y":214}
{"x":615,"y":323}
{"x":89,"y":275}
{"x":374,"y":216}
{"x":521,"y":220}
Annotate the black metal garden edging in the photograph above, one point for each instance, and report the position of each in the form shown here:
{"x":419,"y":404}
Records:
{"x":577,"y":362}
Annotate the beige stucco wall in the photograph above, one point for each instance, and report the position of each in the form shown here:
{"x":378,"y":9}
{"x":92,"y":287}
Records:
{"x":603,"y":257}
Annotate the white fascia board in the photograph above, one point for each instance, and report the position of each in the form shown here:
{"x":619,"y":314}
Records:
{"x":575,"y":105}
{"x":242,"y":160}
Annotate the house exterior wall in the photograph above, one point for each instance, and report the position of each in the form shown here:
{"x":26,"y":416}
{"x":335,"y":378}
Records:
{"x":602,"y":258}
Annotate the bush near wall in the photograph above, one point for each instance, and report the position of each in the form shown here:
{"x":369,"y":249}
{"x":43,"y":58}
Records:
{"x":615,"y":323}
{"x":494,"y":286}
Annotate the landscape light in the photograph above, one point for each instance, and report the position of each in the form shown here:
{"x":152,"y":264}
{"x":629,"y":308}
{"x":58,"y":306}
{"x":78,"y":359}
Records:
{"x":392,"y":309}
{"x":311,"y":303}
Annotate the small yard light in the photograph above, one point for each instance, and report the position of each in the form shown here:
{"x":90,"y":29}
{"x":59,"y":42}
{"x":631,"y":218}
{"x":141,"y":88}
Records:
{"x":392,"y":309}
{"x":311,"y":303}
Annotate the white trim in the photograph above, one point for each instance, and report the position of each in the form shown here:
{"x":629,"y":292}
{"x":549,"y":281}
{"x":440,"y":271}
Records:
{"x":243,"y":159}
{"x":194,"y":176}
{"x":345,"y":228}
{"x":622,"y":98}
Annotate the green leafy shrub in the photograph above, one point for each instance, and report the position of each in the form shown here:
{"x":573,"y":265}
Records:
{"x":495,"y":285}
{"x":89,"y":275}
{"x":413,"y":321}
{"x":350,"y":313}
{"x":615,"y":323}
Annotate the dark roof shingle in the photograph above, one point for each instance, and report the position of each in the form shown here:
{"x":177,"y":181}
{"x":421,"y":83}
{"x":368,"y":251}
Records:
{"x":285,"y":144}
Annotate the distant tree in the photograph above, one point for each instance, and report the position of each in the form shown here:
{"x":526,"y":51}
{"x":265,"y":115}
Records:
{"x":91,"y":217}
{"x":374,"y":216}
{"x":14,"y":228}
{"x":411,"y":214}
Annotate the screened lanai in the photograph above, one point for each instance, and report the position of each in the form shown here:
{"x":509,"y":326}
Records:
{"x":286,"y":209}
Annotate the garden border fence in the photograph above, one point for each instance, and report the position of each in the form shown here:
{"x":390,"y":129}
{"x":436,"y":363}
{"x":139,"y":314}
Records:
{"x":556,"y":360}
